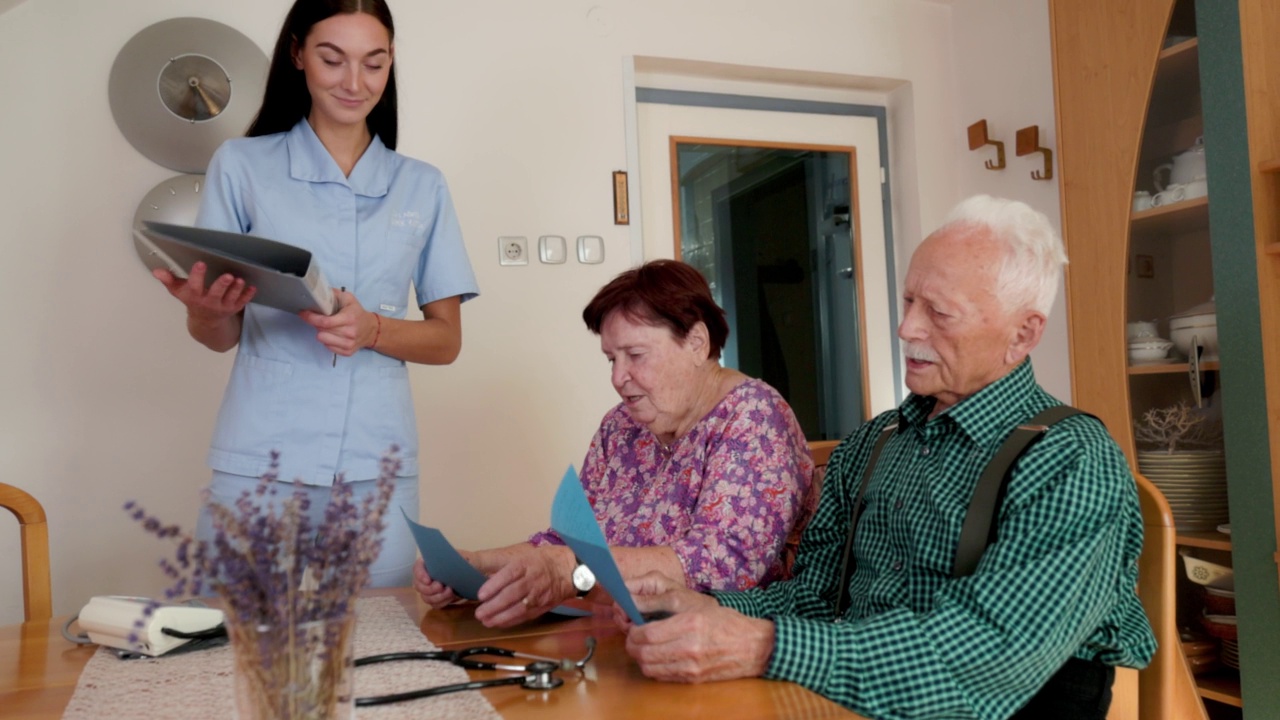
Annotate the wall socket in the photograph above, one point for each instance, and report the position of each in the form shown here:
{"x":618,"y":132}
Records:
{"x":513,"y":251}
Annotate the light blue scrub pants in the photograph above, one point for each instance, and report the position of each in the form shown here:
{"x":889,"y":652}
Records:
{"x":394,"y":566}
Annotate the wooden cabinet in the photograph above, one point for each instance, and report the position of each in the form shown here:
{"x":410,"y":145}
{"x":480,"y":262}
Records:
{"x":1128,"y":97}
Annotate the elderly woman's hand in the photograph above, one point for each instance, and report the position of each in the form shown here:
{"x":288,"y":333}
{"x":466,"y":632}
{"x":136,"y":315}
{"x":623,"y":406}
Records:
{"x":531,"y":581}
{"x":433,"y":592}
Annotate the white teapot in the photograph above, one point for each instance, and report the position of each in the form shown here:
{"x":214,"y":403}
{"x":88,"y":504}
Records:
{"x":1186,"y":167}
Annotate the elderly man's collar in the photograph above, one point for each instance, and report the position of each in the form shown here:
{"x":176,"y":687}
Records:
{"x":985,"y":416}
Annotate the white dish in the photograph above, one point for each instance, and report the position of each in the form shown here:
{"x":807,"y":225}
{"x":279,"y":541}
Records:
{"x":1203,"y":572}
{"x":1146,"y":354}
{"x":1225,"y":528}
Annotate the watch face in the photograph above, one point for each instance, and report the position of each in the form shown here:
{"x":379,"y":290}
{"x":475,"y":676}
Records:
{"x":583,"y":578}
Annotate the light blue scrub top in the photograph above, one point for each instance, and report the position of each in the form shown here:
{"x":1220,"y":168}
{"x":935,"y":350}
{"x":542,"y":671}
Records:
{"x":390,"y":223}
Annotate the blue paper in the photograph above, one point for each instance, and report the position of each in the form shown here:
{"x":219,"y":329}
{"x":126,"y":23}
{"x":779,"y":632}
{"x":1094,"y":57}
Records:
{"x":446,"y":564}
{"x":575,"y":521}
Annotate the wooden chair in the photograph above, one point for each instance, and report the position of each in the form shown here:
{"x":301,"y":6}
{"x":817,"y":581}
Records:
{"x":1166,"y":688}
{"x":37,"y":594}
{"x":821,"y":452}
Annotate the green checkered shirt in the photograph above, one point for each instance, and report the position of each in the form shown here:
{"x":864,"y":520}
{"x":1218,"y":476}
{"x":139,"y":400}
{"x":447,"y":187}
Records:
{"x":1059,"y":581}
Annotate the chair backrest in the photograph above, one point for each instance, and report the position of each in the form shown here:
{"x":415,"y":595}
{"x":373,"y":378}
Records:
{"x":37,"y":592}
{"x":1166,"y":688}
{"x":821,"y":452}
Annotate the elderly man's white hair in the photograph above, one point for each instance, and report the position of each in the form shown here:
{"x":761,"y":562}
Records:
{"x":1033,"y":263}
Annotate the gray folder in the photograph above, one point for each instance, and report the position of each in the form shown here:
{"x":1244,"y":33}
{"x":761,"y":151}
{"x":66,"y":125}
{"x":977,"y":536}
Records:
{"x":286,"y":277}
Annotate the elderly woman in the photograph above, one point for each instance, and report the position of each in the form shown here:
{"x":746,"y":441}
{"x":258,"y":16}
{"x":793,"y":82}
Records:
{"x":699,"y":473}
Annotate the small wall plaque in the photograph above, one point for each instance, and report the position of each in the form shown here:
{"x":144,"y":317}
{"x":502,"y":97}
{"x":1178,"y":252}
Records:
{"x":621,"y":213}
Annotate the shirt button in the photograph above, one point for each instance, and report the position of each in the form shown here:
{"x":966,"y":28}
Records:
{"x":897,"y":565}
{"x":924,"y":452}
{"x":897,"y":505}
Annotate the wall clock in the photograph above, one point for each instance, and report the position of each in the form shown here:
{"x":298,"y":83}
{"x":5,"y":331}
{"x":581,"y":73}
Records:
{"x":176,"y":201}
{"x":182,"y":86}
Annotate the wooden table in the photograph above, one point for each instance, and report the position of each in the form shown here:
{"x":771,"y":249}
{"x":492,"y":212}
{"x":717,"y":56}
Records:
{"x":39,"y":671}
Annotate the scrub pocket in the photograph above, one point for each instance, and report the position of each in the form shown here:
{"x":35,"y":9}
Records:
{"x":255,"y":409}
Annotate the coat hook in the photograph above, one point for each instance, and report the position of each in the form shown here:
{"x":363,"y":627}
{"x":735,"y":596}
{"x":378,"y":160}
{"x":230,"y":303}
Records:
{"x":1027,"y":141}
{"x":978,"y":137}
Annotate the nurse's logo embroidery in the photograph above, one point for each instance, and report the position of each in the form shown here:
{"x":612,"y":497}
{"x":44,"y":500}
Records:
{"x":407,"y":220}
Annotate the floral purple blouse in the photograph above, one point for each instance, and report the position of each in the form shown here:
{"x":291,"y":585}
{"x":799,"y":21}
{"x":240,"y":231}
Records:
{"x":724,"y":496}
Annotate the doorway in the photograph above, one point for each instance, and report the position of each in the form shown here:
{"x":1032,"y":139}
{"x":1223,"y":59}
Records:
{"x":771,"y":228}
{"x":861,"y":326}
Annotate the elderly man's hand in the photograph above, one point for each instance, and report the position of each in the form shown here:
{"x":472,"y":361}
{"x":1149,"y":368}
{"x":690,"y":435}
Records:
{"x":702,"y":645}
{"x":654,"y":592}
{"x":700,"y":642}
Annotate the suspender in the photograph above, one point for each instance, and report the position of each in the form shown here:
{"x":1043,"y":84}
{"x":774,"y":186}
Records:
{"x":846,"y":567}
{"x":979,"y":528}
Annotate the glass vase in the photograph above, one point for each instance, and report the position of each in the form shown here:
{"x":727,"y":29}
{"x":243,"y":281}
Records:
{"x":294,"y":672}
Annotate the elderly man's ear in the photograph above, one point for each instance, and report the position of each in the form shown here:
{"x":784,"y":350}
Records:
{"x":1027,"y":337}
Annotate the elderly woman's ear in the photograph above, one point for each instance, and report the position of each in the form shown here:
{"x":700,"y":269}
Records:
{"x":699,"y":341}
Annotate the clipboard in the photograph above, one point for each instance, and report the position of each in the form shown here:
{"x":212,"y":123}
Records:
{"x":287,"y":277}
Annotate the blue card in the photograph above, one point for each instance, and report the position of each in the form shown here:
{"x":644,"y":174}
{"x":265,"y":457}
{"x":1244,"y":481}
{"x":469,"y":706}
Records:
{"x":446,"y":564}
{"x":575,"y":521}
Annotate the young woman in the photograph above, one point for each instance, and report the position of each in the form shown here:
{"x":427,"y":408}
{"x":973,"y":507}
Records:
{"x":319,"y":170}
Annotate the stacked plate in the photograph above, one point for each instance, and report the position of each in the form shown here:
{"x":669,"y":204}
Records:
{"x":1230,"y":654}
{"x":1193,"y":481}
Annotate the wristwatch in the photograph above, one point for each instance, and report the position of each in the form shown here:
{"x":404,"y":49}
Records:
{"x":583,"y":578}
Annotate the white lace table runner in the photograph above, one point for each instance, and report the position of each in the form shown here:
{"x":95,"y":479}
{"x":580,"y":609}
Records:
{"x":199,"y":685}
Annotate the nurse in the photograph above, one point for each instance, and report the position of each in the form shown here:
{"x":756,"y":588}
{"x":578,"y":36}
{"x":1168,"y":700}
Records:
{"x":318,"y":169}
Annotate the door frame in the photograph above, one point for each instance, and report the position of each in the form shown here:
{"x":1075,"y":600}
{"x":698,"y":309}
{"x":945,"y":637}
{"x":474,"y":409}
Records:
{"x":855,"y":230}
{"x":729,"y":101}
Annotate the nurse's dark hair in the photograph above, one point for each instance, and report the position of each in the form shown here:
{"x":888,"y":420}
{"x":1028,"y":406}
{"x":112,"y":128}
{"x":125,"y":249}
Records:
{"x":662,"y":293}
{"x":286,"y":99}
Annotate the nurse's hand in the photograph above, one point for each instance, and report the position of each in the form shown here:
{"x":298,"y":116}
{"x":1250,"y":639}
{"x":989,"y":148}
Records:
{"x":433,"y":592}
{"x":347,"y":331}
{"x":225,"y":298}
{"x":532,"y":581}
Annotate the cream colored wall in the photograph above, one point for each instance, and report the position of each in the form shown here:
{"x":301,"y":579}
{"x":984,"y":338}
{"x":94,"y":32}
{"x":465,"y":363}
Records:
{"x":1005,"y":74}
{"x":520,"y":103}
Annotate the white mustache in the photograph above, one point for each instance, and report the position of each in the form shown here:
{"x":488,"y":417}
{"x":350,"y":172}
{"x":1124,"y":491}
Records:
{"x":919,"y":352}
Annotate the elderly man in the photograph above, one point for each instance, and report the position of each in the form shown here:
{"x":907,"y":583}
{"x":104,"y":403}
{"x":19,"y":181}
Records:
{"x":1050,"y":610}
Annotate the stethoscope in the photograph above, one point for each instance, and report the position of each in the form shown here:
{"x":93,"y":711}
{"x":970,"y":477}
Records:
{"x":536,"y":675}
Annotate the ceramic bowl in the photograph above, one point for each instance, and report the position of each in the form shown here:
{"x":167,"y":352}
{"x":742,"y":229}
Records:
{"x":1215,"y":626}
{"x":1203,"y":572}
{"x":1149,"y":350}
{"x":1205,"y":335}
{"x":1140,"y":330}
{"x":1219,"y":604}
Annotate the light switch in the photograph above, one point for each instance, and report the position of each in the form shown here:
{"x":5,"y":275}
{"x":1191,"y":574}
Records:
{"x":590,"y":249}
{"x":551,"y":249}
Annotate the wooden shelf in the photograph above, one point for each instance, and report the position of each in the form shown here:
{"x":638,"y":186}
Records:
{"x":1172,"y":368}
{"x":1222,"y":686}
{"x":1273,"y":248}
{"x":1211,"y":540}
{"x":1269,"y":166}
{"x":1182,"y":217}
{"x":1169,"y":54}
{"x":1176,"y":93}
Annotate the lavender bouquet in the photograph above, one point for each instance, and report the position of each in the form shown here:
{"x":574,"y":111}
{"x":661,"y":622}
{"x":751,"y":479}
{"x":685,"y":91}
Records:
{"x":288,"y":586}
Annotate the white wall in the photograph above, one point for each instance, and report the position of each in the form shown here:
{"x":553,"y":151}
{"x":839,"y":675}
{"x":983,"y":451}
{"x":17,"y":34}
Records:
{"x":1004,"y":73}
{"x":521,"y":105}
